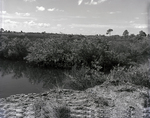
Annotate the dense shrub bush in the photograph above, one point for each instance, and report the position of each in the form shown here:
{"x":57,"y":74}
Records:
{"x":96,"y":52}
{"x":52,"y":52}
{"x":15,"y":48}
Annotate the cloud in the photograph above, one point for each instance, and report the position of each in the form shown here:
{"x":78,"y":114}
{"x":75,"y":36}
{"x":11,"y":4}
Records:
{"x":22,"y":14}
{"x":76,"y":17}
{"x":100,"y":1}
{"x":115,"y":12}
{"x":9,"y":24}
{"x":54,"y":9}
{"x":10,"y":21}
{"x":27,"y":14}
{"x":3,"y":12}
{"x":16,"y":15}
{"x":140,"y":26}
{"x":90,"y":25}
{"x":32,"y":23}
{"x":43,"y":24}
{"x":92,"y":2}
{"x":59,"y":25}
{"x":131,"y":21}
{"x":79,"y":2}
{"x":98,"y":26}
{"x":29,"y":0}
{"x":40,"y":8}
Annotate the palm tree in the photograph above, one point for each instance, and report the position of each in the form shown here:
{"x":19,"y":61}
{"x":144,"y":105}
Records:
{"x":125,"y":33}
{"x":109,"y":31}
{"x":2,"y":30}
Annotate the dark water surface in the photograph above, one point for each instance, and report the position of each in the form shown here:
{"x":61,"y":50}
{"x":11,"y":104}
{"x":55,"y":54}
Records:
{"x":17,"y":77}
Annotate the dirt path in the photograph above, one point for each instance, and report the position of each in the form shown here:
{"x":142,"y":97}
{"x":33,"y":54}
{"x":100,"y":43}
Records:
{"x":97,"y":102}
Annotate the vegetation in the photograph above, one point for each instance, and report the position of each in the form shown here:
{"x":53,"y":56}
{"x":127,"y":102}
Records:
{"x":93,"y":58}
{"x":46,"y":109}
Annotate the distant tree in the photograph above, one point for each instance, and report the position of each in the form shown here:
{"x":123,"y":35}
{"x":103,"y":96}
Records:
{"x":44,"y":32}
{"x":109,"y":31}
{"x":142,"y":33}
{"x":125,"y":33}
{"x":2,"y":30}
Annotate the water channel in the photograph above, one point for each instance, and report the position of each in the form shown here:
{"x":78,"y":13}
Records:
{"x":17,"y":77}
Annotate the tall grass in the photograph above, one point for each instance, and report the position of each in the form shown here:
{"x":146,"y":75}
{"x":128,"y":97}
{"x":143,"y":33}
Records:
{"x":51,"y":109}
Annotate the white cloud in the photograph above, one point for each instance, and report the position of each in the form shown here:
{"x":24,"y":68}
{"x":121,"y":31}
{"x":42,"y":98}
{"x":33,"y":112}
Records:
{"x":100,"y":1}
{"x":89,"y":25}
{"x":40,"y":8}
{"x":111,"y":12}
{"x":92,"y":2}
{"x":79,"y":2}
{"x":32,"y":23}
{"x":43,"y":24}
{"x":131,"y":21}
{"x":9,"y":24}
{"x":27,"y":14}
{"x":22,"y":14}
{"x":97,"y":26}
{"x":140,"y":26}
{"x":3,"y":12}
{"x":59,"y":25}
{"x":52,"y":9}
{"x":10,"y":21}
{"x":76,"y":16}
{"x":29,"y":0}
{"x":115,"y":12}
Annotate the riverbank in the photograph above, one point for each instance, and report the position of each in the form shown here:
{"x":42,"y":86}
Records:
{"x":105,"y":100}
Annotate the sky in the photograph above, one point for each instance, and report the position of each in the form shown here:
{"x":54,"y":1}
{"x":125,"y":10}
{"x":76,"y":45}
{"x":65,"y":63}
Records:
{"x":87,"y":17}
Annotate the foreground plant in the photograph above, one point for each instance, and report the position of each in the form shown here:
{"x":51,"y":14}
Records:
{"x":138,"y":75}
{"x":51,"y":109}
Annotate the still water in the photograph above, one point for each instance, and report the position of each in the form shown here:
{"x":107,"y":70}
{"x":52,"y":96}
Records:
{"x":17,"y":77}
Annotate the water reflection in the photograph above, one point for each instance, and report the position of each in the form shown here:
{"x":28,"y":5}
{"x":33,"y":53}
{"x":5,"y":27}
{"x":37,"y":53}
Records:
{"x":17,"y":70}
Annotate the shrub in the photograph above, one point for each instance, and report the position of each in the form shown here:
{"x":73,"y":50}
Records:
{"x":52,"y":52}
{"x":15,"y":48}
{"x":136,"y":75}
{"x":51,"y":109}
{"x":64,"y":51}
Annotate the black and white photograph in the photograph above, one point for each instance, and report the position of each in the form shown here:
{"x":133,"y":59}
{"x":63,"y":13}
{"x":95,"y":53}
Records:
{"x":74,"y":58}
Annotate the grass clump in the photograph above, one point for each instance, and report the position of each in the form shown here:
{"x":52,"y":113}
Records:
{"x":51,"y":109}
